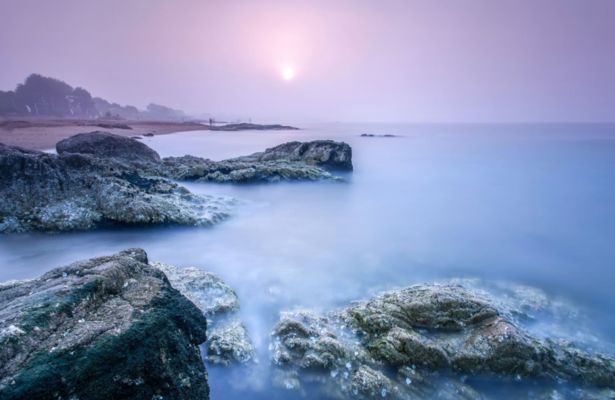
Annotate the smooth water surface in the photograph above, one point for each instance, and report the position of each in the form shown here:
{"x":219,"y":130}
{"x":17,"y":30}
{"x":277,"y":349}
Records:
{"x":532,"y":204}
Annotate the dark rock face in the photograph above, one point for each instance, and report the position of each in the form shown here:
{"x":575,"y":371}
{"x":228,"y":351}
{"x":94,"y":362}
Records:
{"x":45,"y":192}
{"x":421,"y":332}
{"x":104,"y":144}
{"x":105,"y":328}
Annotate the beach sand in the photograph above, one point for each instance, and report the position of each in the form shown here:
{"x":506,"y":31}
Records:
{"x":43,"y":134}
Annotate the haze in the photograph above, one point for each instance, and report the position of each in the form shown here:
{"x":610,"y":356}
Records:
{"x":441,"y":61}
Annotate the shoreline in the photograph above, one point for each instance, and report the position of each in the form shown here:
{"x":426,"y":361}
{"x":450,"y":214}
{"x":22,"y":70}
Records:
{"x":43,"y":134}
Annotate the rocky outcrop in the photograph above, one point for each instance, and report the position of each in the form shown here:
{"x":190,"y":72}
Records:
{"x":105,"y":328}
{"x":309,"y":161}
{"x":251,"y":127}
{"x":107,"y":145}
{"x":46,"y":192}
{"x":420,"y":333}
{"x":228,"y":341}
{"x":322,"y":153}
{"x":99,"y":179}
{"x":371,"y":135}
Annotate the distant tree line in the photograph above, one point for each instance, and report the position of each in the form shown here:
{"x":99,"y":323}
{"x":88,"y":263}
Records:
{"x":49,"y":97}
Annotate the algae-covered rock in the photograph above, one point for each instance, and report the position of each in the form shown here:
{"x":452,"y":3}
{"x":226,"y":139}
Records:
{"x":424,"y":340}
{"x":106,"y":328}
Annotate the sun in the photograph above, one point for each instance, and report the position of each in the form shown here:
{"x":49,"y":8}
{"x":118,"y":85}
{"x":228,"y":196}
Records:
{"x":288,"y":73}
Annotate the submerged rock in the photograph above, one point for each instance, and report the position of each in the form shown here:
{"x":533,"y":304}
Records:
{"x":45,"y":192}
{"x":105,"y":328}
{"x":412,"y":336}
{"x":228,"y":340}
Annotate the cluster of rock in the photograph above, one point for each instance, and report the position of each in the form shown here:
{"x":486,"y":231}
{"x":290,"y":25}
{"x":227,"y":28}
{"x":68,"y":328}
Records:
{"x":120,"y":327}
{"x":228,"y":341}
{"x":99,"y":179}
{"x":420,"y":342}
{"x":293,"y":161}
{"x":106,"y":328}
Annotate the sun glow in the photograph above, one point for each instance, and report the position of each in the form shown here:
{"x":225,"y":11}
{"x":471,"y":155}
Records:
{"x":288,"y":73}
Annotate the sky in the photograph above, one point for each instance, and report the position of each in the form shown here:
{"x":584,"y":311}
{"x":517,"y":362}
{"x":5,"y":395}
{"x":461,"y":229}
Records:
{"x":355,"y":60}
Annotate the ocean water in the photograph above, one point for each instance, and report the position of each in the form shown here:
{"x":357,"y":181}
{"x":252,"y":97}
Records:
{"x":530,"y":204}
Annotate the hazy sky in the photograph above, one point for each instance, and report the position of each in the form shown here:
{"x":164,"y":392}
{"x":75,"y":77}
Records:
{"x":431,"y":60}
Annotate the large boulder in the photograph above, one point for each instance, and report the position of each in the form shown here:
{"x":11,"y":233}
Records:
{"x":108,"y":145}
{"x":106,"y":328}
{"x":46,"y":192}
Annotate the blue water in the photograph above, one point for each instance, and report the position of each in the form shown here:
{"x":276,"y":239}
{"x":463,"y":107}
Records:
{"x":532,"y":204}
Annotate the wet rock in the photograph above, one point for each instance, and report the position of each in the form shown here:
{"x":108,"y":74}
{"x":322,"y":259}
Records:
{"x":426,"y":330}
{"x":228,"y":341}
{"x":108,"y":145}
{"x":103,"y":179}
{"x":387,"y":135}
{"x":310,"y":349}
{"x":189,"y":168}
{"x":247,"y":126}
{"x":323,"y":153}
{"x":291,"y":161}
{"x":206,"y":290}
{"x":108,"y":327}
{"x":46,"y":192}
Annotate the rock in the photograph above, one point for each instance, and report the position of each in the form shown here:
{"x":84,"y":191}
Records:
{"x":424,"y":331}
{"x":374,"y":135}
{"x":322,"y":153}
{"x":46,"y":192}
{"x":103,"y":179}
{"x":108,"y":327}
{"x":113,"y":125}
{"x":238,"y":171}
{"x":247,"y":126}
{"x":105,"y":144}
{"x":206,"y":290}
{"x":311,"y":349}
{"x":291,"y":161}
{"x":149,"y":134}
{"x":229,"y":341}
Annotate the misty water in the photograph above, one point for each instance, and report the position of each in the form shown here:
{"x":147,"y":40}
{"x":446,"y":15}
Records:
{"x":531,"y":204}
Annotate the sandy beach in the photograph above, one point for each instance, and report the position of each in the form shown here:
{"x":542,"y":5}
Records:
{"x":43,"y":134}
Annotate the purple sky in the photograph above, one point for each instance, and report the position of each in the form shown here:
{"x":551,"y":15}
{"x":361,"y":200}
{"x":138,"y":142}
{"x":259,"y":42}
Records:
{"x":445,"y":61}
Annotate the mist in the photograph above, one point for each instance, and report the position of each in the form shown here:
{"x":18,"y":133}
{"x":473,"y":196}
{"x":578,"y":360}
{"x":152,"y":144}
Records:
{"x":385,"y":61}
